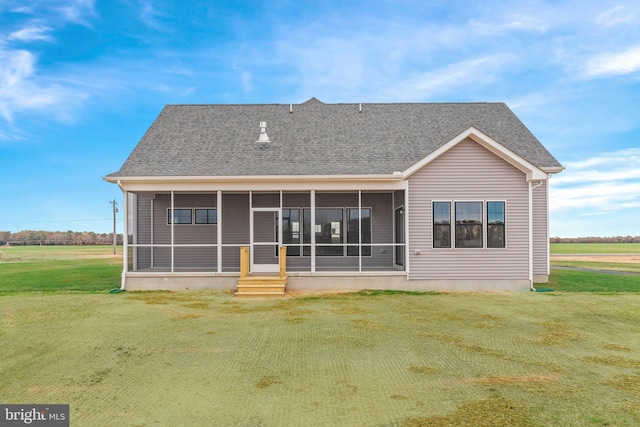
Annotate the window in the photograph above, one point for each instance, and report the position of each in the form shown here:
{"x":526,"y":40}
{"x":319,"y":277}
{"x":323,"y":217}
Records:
{"x":328,"y":229}
{"x":291,"y":231}
{"x":182,"y":216}
{"x":441,"y":224}
{"x":353,"y":231}
{"x":469,"y":224}
{"x":206,"y":216}
{"x":495,"y":225}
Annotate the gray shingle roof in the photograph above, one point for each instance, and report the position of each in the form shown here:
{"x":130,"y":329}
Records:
{"x":317,"y":138}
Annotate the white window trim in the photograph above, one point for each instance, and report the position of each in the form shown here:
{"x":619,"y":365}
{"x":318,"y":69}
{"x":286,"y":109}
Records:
{"x":506,"y":225}
{"x":485,"y":224}
{"x":208,"y":208}
{"x":193,"y":216}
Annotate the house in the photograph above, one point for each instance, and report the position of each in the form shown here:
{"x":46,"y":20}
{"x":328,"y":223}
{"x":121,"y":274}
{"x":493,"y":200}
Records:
{"x":417,"y":196}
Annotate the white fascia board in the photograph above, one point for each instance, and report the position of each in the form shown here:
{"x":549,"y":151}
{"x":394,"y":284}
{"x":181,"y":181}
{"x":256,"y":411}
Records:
{"x":553,"y":170}
{"x":533,"y":172}
{"x":261,"y":183}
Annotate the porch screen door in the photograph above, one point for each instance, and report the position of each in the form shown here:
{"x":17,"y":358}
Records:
{"x":264,"y":240}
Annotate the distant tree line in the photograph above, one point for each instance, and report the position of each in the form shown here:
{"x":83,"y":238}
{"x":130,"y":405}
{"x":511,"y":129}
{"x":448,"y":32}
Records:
{"x":51,"y":238}
{"x":615,"y":239}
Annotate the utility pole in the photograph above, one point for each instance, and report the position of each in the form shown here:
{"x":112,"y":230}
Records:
{"x":114,"y":203}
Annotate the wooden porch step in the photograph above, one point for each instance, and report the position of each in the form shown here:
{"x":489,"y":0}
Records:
{"x":261,"y":286}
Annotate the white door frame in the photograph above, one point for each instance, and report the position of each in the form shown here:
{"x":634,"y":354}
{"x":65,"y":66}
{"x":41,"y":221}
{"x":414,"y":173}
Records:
{"x":265,"y":268}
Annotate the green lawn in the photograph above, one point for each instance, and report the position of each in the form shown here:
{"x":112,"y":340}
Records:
{"x":371,"y":358}
{"x":59,"y":269}
{"x":86,"y":275}
{"x":51,"y":253}
{"x":595,"y":248}
{"x":582,"y":281}
{"x":378,"y":359}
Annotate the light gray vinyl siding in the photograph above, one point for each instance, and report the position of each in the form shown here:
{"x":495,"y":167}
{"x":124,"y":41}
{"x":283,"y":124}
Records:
{"x":265,"y":200}
{"x":540,"y":230}
{"x":468,"y":172}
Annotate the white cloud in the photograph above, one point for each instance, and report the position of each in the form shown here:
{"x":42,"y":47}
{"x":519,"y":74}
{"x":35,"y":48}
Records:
{"x":479,"y":70}
{"x":606,"y":182}
{"x":22,"y":90}
{"x":616,"y":16}
{"x":31,"y":34}
{"x":613,"y":64}
{"x":78,"y":11}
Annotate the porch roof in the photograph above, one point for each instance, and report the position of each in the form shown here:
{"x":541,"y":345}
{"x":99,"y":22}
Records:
{"x":317,"y":139}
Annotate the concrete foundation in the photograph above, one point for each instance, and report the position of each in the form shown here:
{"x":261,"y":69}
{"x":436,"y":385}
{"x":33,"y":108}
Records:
{"x":324,"y":282}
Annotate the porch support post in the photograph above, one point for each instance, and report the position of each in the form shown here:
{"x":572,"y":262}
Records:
{"x":125,"y":238}
{"x":153,"y":232}
{"x":251,"y":248}
{"x":280,"y":233}
{"x":173,"y":221}
{"x":406,"y":228}
{"x":219,"y":231}
{"x":393,"y":228}
{"x":359,"y":231}
{"x":313,"y":231}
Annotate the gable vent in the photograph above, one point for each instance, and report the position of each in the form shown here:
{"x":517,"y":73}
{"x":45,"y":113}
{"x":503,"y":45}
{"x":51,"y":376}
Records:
{"x":263,"y":133}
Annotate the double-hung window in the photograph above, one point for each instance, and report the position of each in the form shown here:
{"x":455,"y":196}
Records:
{"x":441,"y":224}
{"x":495,"y":225}
{"x":468,"y":224}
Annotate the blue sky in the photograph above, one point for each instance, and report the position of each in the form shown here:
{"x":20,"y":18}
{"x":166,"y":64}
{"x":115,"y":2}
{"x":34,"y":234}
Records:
{"x":82,"y":80}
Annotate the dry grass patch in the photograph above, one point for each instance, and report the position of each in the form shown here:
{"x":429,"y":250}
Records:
{"x":425,"y":370}
{"x":494,"y":412}
{"x":516,"y":379}
{"x":267,"y":381}
{"x":622,"y":362}
{"x":628,"y":383}
{"x":347,"y":310}
{"x":199,"y":305}
{"x":460,"y":342}
{"x":632,"y":408}
{"x":557,"y":333}
{"x":615,"y":347}
{"x":370,"y":325}
{"x":166,"y":297}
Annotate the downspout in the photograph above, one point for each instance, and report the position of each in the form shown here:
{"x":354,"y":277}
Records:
{"x":125,"y":239}
{"x":531,"y":188}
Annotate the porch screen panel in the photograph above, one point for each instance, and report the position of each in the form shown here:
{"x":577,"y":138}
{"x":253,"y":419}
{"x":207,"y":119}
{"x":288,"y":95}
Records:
{"x":329,"y":229}
{"x":353,"y":231}
{"x":143,"y":232}
{"x":291,"y":231}
{"x":195,"y":258}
